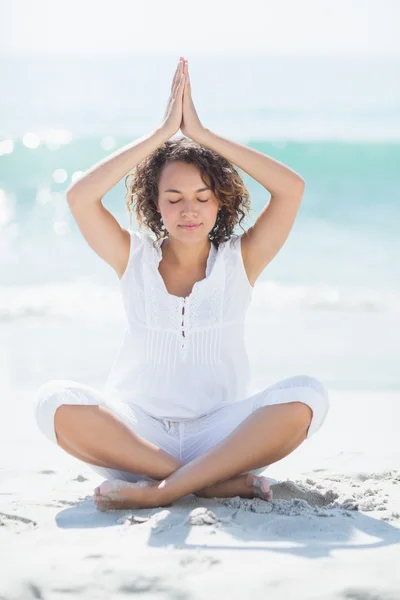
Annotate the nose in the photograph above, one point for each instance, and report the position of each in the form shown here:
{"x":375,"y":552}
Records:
{"x":188,"y":209}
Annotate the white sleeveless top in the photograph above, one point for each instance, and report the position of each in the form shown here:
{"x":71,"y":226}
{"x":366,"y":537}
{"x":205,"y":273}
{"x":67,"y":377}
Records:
{"x":181,"y":364}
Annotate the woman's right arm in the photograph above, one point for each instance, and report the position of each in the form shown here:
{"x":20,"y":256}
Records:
{"x":98,"y":226}
{"x":100,"y":229}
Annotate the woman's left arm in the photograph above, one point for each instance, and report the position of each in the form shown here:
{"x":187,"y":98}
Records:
{"x":273,"y":175}
{"x":263,"y":240}
{"x":276,"y":177}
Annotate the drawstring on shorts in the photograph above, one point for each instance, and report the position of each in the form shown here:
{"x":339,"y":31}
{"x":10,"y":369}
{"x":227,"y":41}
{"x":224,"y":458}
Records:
{"x":177,"y":427}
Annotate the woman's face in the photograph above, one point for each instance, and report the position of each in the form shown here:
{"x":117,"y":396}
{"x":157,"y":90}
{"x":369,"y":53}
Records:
{"x":184,"y":199}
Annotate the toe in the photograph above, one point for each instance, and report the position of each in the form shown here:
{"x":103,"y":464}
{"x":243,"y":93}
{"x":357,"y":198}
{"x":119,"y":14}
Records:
{"x":262,"y":488}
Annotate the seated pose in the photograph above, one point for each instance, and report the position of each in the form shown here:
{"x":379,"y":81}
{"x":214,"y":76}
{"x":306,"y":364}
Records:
{"x":175,"y":417}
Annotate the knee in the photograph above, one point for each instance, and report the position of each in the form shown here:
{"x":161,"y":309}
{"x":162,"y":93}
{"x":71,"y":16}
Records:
{"x":317,"y":401}
{"x":319,"y":387}
{"x":314,"y":384}
{"x":302,"y":412}
{"x":48,"y":398}
{"x":50,"y":391}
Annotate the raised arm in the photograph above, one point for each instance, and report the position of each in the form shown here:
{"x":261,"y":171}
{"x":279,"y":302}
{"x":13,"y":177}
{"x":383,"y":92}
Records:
{"x":98,"y":226}
{"x":263,"y":240}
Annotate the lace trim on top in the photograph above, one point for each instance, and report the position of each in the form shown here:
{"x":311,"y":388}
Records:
{"x":165,"y":310}
{"x":212,"y":255}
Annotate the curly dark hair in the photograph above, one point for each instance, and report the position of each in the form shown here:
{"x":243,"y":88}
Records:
{"x":218,"y":173}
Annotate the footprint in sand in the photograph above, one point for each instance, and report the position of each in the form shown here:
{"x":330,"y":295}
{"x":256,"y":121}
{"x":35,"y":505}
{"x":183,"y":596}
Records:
{"x":17,"y":522}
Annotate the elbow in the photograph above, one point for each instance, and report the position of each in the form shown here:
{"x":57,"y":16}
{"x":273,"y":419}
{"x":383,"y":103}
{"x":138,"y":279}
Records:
{"x":75,"y":190}
{"x":301,"y":184}
{"x":299,"y":187}
{"x":296,"y":188}
{"x":70,"y":194}
{"x":75,"y":196}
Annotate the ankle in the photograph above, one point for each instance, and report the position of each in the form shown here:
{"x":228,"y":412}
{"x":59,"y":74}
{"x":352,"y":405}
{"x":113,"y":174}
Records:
{"x":163,"y":493}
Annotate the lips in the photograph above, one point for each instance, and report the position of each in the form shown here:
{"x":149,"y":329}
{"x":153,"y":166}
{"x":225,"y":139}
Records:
{"x":190,"y":226}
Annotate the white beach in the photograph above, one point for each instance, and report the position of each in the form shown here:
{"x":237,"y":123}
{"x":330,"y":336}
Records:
{"x":332,"y":530}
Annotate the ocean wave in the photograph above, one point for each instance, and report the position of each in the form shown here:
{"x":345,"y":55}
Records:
{"x":324,"y":297}
{"x":94,"y":302}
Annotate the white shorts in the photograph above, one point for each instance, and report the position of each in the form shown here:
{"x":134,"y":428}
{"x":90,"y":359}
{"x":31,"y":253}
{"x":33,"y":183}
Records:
{"x":186,"y":439}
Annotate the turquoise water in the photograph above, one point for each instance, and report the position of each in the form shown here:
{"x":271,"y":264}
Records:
{"x":326,"y":305}
{"x":346,"y":232}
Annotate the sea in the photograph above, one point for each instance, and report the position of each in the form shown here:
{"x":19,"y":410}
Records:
{"x":327,"y":305}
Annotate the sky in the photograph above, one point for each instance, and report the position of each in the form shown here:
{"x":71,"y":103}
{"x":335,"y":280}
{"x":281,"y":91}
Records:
{"x":284,"y":27}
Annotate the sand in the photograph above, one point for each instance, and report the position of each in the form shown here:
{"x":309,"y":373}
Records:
{"x":332,"y":530}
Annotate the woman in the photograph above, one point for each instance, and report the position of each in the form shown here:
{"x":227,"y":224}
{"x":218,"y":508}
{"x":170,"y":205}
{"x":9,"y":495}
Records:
{"x":174,"y":417}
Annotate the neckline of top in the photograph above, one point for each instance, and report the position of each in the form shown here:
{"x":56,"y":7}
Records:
{"x":210,"y":261}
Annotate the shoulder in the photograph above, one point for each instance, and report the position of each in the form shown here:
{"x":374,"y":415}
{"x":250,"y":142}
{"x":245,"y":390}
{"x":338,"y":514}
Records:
{"x":235,"y":241}
{"x":227,"y":243}
{"x":137,"y":241}
{"x":236,"y":249}
{"x":231,"y":245}
{"x":139,"y":238}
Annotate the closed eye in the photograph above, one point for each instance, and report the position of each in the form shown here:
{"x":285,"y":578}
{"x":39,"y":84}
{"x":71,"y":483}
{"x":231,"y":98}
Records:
{"x":176,"y":202}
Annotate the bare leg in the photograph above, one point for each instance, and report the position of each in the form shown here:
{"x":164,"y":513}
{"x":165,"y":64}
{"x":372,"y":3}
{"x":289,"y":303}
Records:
{"x":96,"y":436}
{"x":266,"y":436}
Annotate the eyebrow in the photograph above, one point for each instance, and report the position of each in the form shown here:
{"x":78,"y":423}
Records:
{"x":179,"y":192}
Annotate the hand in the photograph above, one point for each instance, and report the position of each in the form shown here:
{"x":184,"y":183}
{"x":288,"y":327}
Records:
{"x":173,"y":113}
{"x":191,"y":126}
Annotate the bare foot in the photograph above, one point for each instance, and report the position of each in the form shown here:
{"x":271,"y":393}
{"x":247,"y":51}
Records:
{"x":115,"y":494}
{"x":246,"y":485}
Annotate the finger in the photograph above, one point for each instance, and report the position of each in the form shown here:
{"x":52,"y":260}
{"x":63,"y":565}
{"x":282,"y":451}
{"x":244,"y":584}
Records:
{"x":181,"y":83}
{"x":180,"y":88}
{"x":177,"y":94}
{"x":187,"y":82}
{"x":177,"y":71}
{"x":177,"y":85}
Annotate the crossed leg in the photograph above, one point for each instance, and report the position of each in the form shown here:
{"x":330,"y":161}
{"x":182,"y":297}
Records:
{"x":266,"y":436}
{"x":76,"y":417}
{"x":95,"y":435}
